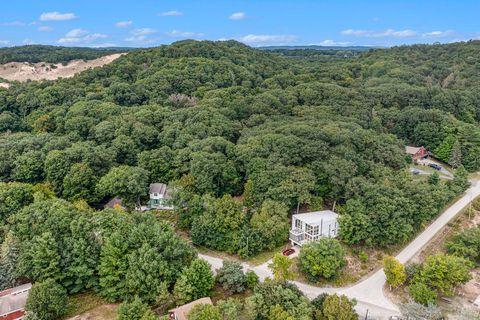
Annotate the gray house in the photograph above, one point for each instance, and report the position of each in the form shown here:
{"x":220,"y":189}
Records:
{"x":312,"y":226}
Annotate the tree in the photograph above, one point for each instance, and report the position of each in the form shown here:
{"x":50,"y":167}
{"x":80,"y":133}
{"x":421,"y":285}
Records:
{"x":195,"y":281}
{"x":466,"y":244}
{"x":271,"y":222}
{"x":421,"y":293}
{"x":129,"y":183}
{"x":322,"y":258}
{"x":79,"y":183}
{"x":135,"y":310}
{"x":14,"y":196}
{"x":281,"y":267}
{"x":339,"y":308}
{"x":204,"y":312}
{"x":47,"y":300}
{"x":394,"y":271}
{"x":40,"y":259}
{"x":9,"y":252}
{"x":317,"y":303}
{"x":230,"y":309}
{"x":29,"y":167}
{"x":443,"y":272}
{"x":278,"y":313}
{"x":251,"y":279}
{"x":415,"y":310}
{"x":231,"y":276}
{"x":434,"y":178}
{"x":271,"y":293}
{"x":456,"y":157}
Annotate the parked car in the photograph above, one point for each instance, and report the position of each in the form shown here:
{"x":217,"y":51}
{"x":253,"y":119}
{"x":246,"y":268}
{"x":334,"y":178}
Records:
{"x":435,"y":166}
{"x":288,"y":252}
{"x":416,"y":171}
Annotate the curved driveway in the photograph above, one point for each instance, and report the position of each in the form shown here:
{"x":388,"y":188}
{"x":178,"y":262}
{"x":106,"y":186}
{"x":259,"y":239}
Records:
{"x":369,"y":292}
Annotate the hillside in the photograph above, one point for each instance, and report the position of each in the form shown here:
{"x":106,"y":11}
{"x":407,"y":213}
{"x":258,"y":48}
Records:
{"x":23,"y":71}
{"x":53,"y":54}
{"x":223,"y":119}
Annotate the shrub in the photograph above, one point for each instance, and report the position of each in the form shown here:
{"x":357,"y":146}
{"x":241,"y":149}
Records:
{"x":251,"y":279}
{"x":322,"y":258}
{"x":231,"y":276}
{"x":421,"y":293}
{"x":135,"y":310}
{"x":204,"y":312}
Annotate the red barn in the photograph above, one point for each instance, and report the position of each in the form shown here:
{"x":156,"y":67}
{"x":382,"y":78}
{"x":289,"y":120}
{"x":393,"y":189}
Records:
{"x":417,"y":153}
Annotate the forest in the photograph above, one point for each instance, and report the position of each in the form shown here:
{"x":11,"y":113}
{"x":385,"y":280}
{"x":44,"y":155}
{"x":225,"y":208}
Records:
{"x":244,"y":137}
{"x":53,"y":54}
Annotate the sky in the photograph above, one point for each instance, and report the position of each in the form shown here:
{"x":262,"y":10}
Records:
{"x":146,"y":23}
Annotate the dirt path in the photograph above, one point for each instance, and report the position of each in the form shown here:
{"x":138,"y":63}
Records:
{"x":23,"y":71}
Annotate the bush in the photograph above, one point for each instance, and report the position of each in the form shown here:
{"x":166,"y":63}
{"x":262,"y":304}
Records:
{"x":322,"y":258}
{"x":231,"y":277}
{"x":135,"y":310}
{"x":421,"y":293}
{"x":204,"y":312}
{"x":466,"y":244}
{"x":339,"y":307}
{"x":195,"y":282}
{"x":47,"y":300}
{"x":251,"y":279}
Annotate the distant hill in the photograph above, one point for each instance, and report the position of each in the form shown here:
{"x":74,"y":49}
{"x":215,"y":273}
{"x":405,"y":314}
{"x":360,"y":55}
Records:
{"x":316,"y":47}
{"x":53,"y":54}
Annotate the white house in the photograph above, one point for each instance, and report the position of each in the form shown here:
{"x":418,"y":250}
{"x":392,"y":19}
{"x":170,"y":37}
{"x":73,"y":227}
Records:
{"x":12,"y":302}
{"x":312,"y":226}
{"x":159,"y":196}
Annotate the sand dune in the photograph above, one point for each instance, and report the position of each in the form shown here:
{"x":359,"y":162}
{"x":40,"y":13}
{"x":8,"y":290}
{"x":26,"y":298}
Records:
{"x":23,"y":71}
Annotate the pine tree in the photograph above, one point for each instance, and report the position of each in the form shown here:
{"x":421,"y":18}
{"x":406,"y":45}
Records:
{"x":8,"y":262}
{"x":41,"y":260}
{"x":456,"y":157}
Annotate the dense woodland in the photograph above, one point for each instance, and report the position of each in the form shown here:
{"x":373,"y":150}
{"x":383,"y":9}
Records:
{"x":244,"y":137}
{"x":53,"y":54}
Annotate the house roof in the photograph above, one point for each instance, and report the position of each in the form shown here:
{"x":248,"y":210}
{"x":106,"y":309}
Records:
{"x":14,"y":299}
{"x":158,"y":188}
{"x":114,"y":202}
{"x":412,"y":150}
{"x":182,"y":311}
{"x":316,"y":217}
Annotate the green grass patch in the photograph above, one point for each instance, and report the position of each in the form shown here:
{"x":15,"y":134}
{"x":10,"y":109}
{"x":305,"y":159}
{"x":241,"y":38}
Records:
{"x":83,"y":302}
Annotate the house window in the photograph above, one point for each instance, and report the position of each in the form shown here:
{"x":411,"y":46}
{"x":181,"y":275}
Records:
{"x":155,"y":194}
{"x":298,"y":224}
{"x":315,"y":230}
{"x":309,"y":229}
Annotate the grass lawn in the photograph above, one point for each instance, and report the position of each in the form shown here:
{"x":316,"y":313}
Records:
{"x":81,"y":303}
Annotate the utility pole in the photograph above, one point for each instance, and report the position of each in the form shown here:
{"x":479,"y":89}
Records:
{"x":366,"y":315}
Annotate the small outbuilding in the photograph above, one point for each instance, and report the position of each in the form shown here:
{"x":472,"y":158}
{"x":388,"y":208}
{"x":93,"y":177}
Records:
{"x":416,"y":153}
{"x":12,"y":302}
{"x":312,"y":226}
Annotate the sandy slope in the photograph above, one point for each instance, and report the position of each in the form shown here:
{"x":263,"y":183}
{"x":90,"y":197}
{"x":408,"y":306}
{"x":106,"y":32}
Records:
{"x":23,"y":71}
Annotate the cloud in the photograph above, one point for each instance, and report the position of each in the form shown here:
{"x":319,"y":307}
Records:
{"x":45,"y":29}
{"x":437,"y":33}
{"x":56,"y":16}
{"x":81,"y":36}
{"x":267,"y":38}
{"x":183,"y":34}
{"x":76,"y":33}
{"x":380,"y":34}
{"x":123,"y":24}
{"x":238,"y":16}
{"x":141,"y":35}
{"x":329,"y":42}
{"x":14,"y":24}
{"x":4,"y":42}
{"x":172,"y":13}
{"x":28,"y":41}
